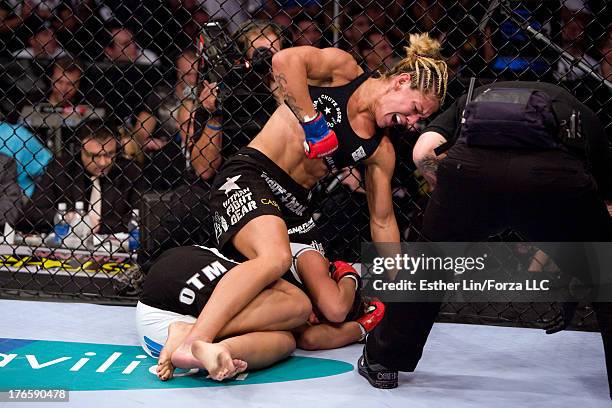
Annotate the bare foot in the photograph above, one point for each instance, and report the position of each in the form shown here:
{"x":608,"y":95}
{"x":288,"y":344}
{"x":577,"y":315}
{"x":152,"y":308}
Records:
{"x":165,"y":369}
{"x":176,"y":334}
{"x":182,"y":358}
{"x":217,"y":360}
{"x":240,"y":366}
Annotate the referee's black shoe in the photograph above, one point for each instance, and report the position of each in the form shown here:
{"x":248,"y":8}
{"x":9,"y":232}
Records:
{"x":378,"y":375}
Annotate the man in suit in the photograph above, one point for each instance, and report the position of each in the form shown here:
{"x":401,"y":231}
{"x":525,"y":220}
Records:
{"x":108,"y":184}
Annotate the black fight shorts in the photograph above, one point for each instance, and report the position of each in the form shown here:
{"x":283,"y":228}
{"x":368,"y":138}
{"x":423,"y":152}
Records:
{"x":189,"y":273}
{"x":250,"y":185}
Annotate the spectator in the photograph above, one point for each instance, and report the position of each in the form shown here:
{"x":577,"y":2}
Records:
{"x":65,"y":84}
{"x":75,"y":23}
{"x":290,"y":7}
{"x":187,"y":19}
{"x":357,"y":25}
{"x":31,"y":65}
{"x":10,"y":194}
{"x":306,"y":31}
{"x":157,"y":126}
{"x":18,"y":20}
{"x":123,"y":48}
{"x":43,"y":44}
{"x":248,"y":106}
{"x":109,"y":185}
{"x":574,"y":41}
{"x":376,"y":52}
{"x":29,"y":153}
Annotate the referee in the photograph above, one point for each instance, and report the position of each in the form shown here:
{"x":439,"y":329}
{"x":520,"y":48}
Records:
{"x":525,"y":155}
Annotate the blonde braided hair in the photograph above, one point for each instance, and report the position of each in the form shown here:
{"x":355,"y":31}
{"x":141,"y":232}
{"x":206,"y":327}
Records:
{"x":425,"y":64}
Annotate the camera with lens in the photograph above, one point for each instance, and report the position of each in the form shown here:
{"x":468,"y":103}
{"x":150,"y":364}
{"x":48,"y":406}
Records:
{"x":227,"y":65}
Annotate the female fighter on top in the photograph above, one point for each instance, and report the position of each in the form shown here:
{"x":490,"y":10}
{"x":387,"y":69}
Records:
{"x":331,"y":117}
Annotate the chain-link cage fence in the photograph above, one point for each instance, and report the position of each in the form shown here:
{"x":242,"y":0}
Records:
{"x":108,"y":153}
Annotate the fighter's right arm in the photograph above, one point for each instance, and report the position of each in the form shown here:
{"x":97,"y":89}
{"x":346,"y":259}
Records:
{"x":295,"y":67}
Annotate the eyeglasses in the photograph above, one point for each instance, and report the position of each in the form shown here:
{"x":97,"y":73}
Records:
{"x":99,"y":155}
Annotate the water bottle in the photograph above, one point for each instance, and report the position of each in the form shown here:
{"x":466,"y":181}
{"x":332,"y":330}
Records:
{"x":61,"y":228}
{"x":134,"y":231}
{"x":80,"y":227}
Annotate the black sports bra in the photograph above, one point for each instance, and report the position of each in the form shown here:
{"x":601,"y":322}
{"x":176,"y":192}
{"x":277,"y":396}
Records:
{"x":332,"y":102}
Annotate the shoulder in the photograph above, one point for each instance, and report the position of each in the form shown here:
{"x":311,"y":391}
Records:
{"x":384,"y":156}
{"x":128,"y":168}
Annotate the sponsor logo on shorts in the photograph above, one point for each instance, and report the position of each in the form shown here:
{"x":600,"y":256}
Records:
{"x":318,"y":246}
{"x":220,"y":224}
{"x":239,"y":204}
{"x":302,"y":228}
{"x":358,"y":154}
{"x":267,"y":201}
{"x":230,"y":184}
{"x":195,"y":284}
{"x":289,"y":200}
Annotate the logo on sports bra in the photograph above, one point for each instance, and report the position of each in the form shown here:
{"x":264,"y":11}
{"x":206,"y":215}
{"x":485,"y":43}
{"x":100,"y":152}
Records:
{"x":330,"y":108}
{"x":358,"y":154}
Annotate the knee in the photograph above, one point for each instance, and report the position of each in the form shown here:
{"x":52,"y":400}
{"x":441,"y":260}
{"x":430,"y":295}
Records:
{"x":284,"y":260}
{"x":277,"y":262}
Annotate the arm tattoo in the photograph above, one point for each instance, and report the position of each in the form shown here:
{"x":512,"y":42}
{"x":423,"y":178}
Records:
{"x":289,"y":99}
{"x":428,"y":164}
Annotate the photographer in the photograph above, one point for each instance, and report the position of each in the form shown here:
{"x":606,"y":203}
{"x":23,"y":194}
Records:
{"x":242,"y":100}
{"x":226,"y":112}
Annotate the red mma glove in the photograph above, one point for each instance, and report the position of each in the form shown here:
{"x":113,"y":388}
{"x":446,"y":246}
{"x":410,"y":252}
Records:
{"x":341,"y":269}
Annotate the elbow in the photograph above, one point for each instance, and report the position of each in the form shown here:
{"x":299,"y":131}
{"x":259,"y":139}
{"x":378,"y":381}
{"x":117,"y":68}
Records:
{"x":282,"y":60}
{"x":425,"y":146}
{"x":279,"y":60}
{"x":334,"y":312}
